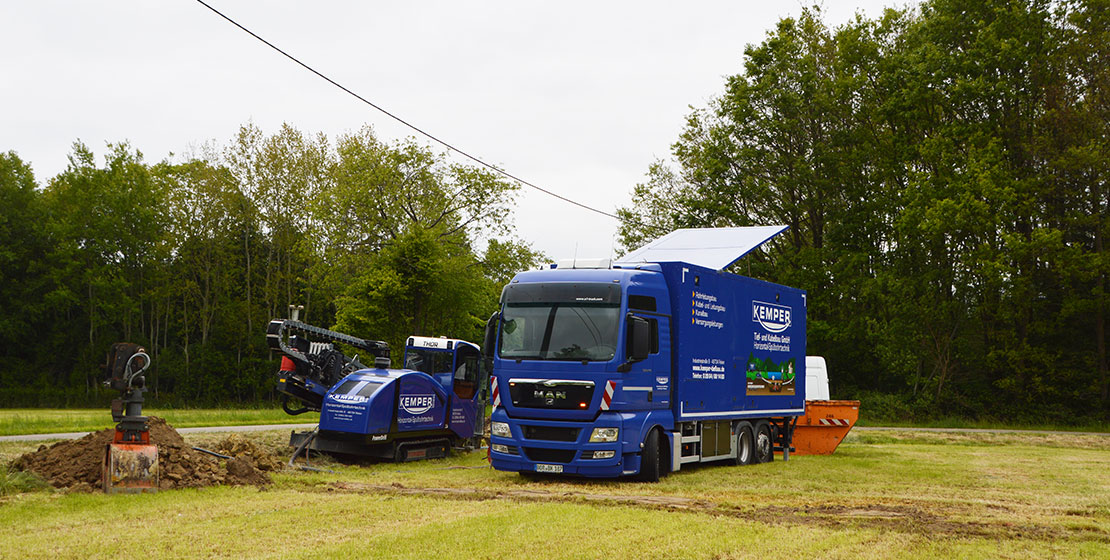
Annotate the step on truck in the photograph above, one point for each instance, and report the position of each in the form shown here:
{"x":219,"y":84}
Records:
{"x":649,"y":364}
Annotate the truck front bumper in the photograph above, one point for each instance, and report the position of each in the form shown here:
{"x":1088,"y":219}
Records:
{"x":562,"y":447}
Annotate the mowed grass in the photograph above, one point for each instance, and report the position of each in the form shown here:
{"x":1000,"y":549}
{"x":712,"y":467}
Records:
{"x":16,"y":421}
{"x":890,"y":495}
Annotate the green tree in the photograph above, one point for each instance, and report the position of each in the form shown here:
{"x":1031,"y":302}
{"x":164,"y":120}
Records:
{"x":939,"y":170}
{"x":24,"y":279}
{"x":109,"y":228}
{"x":403,"y":223}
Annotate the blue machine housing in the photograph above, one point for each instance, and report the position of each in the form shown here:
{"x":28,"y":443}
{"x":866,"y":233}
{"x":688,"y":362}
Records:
{"x":727,"y":354}
{"x":368,"y":401}
{"x":407,"y":413}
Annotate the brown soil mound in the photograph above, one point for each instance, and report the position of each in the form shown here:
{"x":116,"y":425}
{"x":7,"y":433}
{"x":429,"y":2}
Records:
{"x":236,"y":445}
{"x":76,"y":464}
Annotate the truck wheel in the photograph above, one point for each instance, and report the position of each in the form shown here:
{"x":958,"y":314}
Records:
{"x":745,"y":449}
{"x":650,"y":464}
{"x":764,"y":445}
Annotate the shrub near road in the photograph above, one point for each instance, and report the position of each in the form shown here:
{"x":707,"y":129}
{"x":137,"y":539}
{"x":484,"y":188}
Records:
{"x":888,"y":495}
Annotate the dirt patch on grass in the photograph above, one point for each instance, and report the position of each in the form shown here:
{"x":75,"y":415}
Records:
{"x":664,"y":502}
{"x":908,"y":519}
{"x":76,"y":464}
{"x":901,"y":518}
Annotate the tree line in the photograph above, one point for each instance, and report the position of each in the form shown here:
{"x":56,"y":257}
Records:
{"x":943,"y":170}
{"x":192,"y":259}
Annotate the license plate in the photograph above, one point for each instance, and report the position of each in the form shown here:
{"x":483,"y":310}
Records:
{"x":549,"y":468}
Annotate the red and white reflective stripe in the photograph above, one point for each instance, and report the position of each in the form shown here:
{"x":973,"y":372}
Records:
{"x":607,"y":398}
{"x":496,"y":394}
{"x":832,"y":422}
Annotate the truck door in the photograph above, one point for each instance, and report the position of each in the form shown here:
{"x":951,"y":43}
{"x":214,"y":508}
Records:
{"x":467,"y":361}
{"x":467,"y":412}
{"x":647,"y":385}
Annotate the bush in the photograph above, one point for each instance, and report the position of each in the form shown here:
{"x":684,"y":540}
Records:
{"x":883,"y":408}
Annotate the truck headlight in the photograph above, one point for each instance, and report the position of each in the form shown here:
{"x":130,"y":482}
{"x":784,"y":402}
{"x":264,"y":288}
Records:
{"x":602,"y":435}
{"x":500,"y":429}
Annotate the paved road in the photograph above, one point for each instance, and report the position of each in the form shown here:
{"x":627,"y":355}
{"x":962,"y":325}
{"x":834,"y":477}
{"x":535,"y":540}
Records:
{"x":75,"y":435}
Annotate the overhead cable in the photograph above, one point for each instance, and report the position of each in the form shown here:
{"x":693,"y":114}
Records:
{"x":443,"y":143}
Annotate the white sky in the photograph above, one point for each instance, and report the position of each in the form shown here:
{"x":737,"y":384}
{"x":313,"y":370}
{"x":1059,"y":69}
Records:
{"x":576,"y":97}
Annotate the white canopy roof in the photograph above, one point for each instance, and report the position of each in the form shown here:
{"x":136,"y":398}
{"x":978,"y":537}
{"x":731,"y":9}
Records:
{"x":714,"y":248}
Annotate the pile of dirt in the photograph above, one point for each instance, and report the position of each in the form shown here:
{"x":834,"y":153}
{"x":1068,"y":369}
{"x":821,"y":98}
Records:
{"x":76,"y":464}
{"x":240,"y":447}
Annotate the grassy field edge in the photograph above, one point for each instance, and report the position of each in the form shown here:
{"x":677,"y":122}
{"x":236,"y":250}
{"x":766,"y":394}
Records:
{"x":21,"y":421}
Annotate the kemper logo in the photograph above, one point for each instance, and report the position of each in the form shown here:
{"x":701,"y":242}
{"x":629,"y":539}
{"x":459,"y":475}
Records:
{"x":417,"y":404}
{"x":351,"y":399}
{"x":771,"y":316}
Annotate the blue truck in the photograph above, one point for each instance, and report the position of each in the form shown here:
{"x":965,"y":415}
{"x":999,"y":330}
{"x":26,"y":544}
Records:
{"x":638,"y":367}
{"x":421,"y":411}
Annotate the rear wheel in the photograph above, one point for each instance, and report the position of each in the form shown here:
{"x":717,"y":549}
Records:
{"x":745,"y":448}
{"x":764,"y":445}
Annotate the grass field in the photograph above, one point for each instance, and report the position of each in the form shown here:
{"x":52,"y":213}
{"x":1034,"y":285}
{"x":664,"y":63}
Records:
{"x":882,"y":495}
{"x":961,"y":423}
{"x":15,"y":421}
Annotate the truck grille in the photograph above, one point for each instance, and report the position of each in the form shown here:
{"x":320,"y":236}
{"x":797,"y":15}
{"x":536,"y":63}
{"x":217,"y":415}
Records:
{"x":564,"y":394}
{"x":547,"y":433}
{"x":541,"y":455}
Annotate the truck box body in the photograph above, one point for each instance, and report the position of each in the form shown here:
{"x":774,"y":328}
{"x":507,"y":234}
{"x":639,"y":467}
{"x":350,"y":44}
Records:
{"x":741,"y":349}
{"x":727,"y":354}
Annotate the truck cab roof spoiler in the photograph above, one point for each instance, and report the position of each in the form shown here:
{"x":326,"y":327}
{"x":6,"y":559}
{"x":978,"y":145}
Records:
{"x":714,"y":248}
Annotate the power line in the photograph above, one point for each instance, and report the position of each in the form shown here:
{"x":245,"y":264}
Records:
{"x":406,"y":123}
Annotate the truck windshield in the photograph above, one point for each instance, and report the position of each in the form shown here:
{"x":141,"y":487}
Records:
{"x":559,"y":331}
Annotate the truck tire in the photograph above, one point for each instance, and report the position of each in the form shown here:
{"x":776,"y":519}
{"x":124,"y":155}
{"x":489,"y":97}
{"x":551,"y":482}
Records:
{"x":764,"y":444}
{"x":745,"y":445}
{"x":651,"y":464}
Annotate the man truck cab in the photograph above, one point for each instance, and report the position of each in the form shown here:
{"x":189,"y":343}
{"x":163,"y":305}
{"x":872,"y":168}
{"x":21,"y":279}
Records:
{"x":639,"y":367}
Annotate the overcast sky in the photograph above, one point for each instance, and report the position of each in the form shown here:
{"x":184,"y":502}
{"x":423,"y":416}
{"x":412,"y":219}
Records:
{"x":576,"y":97}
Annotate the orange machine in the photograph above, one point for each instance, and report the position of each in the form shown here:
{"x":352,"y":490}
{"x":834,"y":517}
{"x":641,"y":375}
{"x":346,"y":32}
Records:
{"x":130,"y":460}
{"x":826,"y":421}
{"x":824,"y":426}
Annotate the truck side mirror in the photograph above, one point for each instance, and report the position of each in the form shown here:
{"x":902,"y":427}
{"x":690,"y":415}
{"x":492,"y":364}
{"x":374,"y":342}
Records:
{"x":490,"y":340}
{"x":639,"y":337}
{"x":639,"y":342}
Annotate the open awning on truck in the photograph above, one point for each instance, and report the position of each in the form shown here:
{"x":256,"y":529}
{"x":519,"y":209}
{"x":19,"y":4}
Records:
{"x":715,"y":248}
